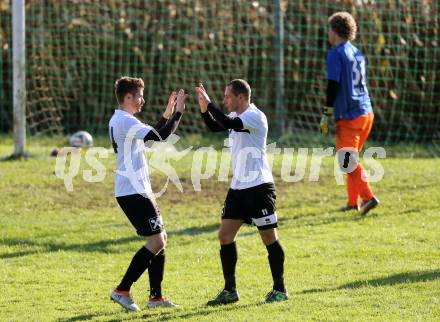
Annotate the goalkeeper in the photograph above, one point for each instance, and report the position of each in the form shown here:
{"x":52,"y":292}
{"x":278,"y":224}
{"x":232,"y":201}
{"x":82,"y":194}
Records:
{"x":350,"y":105}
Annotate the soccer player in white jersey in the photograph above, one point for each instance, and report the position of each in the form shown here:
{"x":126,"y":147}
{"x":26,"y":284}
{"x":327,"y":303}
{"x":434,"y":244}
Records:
{"x":132,"y":185}
{"x":251,"y":197}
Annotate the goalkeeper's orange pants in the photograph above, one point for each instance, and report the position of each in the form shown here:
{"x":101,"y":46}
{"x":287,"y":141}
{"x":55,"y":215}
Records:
{"x":353,"y":134}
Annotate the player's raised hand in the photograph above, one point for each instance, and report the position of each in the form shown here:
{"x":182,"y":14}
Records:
{"x":170,"y":106}
{"x":180,"y":101}
{"x":203,"y":97}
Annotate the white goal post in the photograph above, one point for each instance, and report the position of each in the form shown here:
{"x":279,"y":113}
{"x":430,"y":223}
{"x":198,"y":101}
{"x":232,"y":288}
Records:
{"x":19,"y":77}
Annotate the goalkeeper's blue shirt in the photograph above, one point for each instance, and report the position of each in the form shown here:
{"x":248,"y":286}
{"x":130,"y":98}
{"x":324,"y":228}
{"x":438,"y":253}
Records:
{"x":346,"y":65}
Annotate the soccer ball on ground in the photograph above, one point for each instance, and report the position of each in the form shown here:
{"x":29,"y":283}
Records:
{"x":81,"y":139}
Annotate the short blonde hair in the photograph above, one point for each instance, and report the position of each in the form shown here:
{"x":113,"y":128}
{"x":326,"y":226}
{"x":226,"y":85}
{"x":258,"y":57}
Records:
{"x":343,"y":24}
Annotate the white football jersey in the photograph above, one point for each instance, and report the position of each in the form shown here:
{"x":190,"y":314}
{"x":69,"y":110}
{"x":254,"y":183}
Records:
{"x":250,"y":167}
{"x":127,"y":136}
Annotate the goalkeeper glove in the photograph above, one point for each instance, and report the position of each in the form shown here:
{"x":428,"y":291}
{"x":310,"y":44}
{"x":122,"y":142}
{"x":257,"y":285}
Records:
{"x":327,"y":113}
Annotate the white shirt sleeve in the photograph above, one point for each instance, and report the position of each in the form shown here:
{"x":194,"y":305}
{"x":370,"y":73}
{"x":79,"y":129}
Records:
{"x":135,"y":128}
{"x":251,"y":120}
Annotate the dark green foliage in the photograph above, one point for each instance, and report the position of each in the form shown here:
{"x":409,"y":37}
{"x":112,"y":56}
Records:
{"x":77,"y":49}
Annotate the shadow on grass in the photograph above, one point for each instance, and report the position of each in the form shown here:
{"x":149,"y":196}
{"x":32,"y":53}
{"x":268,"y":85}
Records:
{"x":50,"y":247}
{"x":33,"y":247}
{"x":165,"y":315}
{"x":192,"y":231}
{"x":401,"y":278}
{"x":13,"y":158}
{"x":92,"y":316}
{"x":325,"y":218}
{"x":204,"y":311}
{"x":195,"y":230}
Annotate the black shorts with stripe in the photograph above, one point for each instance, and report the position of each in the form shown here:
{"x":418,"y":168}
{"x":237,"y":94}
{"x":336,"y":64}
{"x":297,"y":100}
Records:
{"x":255,"y":205}
{"x":143,"y":214}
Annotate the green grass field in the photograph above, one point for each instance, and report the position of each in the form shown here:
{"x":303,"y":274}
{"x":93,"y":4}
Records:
{"x":61,"y":253}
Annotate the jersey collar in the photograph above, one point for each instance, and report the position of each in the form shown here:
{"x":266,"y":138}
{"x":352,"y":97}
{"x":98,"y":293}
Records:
{"x":120,"y":110}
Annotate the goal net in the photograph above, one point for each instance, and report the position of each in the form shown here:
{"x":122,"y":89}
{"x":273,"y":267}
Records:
{"x":77,"y":49}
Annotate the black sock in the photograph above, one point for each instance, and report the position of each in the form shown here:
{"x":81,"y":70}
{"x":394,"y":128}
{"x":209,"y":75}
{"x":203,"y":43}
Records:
{"x":228,"y":256}
{"x":276,"y":263}
{"x":140,"y":262}
{"x":155,"y":272}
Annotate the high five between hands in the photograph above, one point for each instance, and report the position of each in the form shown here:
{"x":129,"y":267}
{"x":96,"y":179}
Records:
{"x":177,"y":100}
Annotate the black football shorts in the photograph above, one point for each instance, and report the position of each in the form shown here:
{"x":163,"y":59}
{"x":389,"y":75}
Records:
{"x":255,"y":205}
{"x":143,"y":214}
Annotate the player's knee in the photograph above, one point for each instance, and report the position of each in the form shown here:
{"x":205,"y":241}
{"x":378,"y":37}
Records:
{"x":156,"y":247}
{"x":156,"y":243}
{"x":221,"y":236}
{"x":224,"y":237}
{"x":267,"y":240}
{"x":162,"y":242}
{"x":269,"y":236}
{"x":165,"y":237}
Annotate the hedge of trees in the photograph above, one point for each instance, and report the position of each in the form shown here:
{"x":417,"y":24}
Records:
{"x":76,"y":50}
